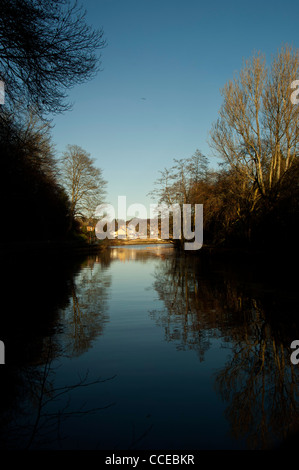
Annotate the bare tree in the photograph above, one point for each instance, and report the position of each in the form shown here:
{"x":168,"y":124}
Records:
{"x":257,"y":133}
{"x":176,"y":184}
{"x":46,"y":47}
{"x":83,"y":181}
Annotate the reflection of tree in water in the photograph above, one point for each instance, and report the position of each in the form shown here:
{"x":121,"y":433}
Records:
{"x":186,"y":312}
{"x":71,"y":294}
{"x":84,"y":318}
{"x":141,"y":253}
{"x":39,"y":424}
{"x":258,"y":382}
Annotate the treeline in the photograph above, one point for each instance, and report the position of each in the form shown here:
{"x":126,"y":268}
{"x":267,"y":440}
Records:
{"x":45,"y":49}
{"x":44,"y":197}
{"x":34,"y":205}
{"x":229,"y":216}
{"x":252,"y":198}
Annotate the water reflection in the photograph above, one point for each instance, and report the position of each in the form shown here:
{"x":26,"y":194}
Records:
{"x":86,"y":314}
{"x":124,"y":339}
{"x":59,"y":307}
{"x":140,"y":253}
{"x":256,"y":324}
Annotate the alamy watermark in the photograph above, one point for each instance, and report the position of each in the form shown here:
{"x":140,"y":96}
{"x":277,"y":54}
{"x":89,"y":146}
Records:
{"x":295,"y":355}
{"x":2,"y":353}
{"x":295,"y":94}
{"x":186,"y":224}
{"x":2,"y":93}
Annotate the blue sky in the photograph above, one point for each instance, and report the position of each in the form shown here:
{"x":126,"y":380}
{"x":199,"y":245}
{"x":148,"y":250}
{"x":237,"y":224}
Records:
{"x":177,"y":55}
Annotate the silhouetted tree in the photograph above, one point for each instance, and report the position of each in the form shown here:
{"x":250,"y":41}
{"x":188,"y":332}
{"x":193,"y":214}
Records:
{"x":34,"y":205}
{"x":46,"y":47}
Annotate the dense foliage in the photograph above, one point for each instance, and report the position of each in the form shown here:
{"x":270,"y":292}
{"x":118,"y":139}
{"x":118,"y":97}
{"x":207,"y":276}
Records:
{"x":34,"y":205}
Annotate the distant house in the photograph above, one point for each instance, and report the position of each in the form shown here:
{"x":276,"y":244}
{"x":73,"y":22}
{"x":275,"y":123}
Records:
{"x":121,"y":232}
{"x":131,"y":232}
{"x":138,"y":228}
{"x":155,"y":234}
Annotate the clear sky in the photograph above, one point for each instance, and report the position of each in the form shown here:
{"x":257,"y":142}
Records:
{"x":159,"y":91}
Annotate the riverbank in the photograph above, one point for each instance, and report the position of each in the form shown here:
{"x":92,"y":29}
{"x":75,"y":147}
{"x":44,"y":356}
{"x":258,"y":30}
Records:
{"x":147,"y":241}
{"x":67,"y":247}
{"x":274,"y":257}
{"x":40,"y":248}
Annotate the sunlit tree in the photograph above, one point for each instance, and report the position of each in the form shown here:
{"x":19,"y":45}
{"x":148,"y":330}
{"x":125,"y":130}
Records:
{"x":257,"y":133}
{"x":82,"y":180}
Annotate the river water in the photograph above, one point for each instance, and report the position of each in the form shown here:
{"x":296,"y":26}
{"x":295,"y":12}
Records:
{"x":143,"y":348}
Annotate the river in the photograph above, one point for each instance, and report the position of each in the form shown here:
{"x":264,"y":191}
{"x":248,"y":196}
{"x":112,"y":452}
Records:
{"x":143,"y":348}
